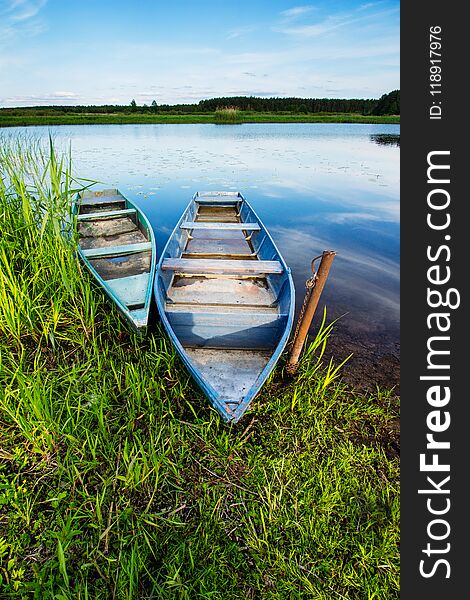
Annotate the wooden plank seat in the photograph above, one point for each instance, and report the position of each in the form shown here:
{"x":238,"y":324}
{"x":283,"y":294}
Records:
{"x":216,"y":194}
{"x":104,"y":199}
{"x":117,"y":250}
{"x":218,"y":225}
{"x":216,"y":200}
{"x":202,"y":265}
{"x":108,"y":214}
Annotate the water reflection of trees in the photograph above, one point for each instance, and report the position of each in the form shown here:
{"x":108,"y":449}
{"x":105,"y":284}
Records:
{"x":385,"y":139}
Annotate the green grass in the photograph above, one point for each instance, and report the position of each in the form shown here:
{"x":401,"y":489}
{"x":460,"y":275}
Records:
{"x":7,"y":120}
{"x":228,"y":115}
{"x":117,"y":480}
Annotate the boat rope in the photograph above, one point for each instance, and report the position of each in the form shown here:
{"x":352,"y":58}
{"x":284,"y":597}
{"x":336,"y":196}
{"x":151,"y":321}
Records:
{"x":309,"y":285}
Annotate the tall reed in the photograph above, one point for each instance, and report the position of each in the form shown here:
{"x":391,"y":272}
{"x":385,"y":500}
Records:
{"x":228,"y":115}
{"x":41,"y":285}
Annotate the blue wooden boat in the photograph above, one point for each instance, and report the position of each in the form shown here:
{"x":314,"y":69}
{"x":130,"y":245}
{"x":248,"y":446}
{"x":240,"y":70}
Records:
{"x":117,"y":244}
{"x":226,"y":298}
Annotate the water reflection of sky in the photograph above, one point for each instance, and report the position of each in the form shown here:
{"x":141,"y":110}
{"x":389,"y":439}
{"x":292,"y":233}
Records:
{"x":315,"y":186}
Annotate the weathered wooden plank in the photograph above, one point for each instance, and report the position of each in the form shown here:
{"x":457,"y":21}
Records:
{"x":217,"y":234}
{"x":106,"y":227}
{"x":216,"y":209}
{"x":208,"y":218}
{"x":128,"y":237}
{"x":107,"y":214}
{"x":222,"y":308}
{"x":230,"y":372}
{"x":122,"y":266}
{"x":202,"y":265}
{"x":101,"y":199}
{"x":200,"y":290}
{"x":222,"y":247}
{"x":117,"y":250}
{"x":216,"y":194}
{"x":215,"y":200}
{"x":227,"y":226}
{"x":220,"y":214}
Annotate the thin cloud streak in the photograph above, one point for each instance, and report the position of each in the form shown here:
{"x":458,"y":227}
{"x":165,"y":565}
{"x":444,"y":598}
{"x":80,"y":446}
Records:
{"x":332,"y":23}
{"x":18,"y":18}
{"x":297,"y":11}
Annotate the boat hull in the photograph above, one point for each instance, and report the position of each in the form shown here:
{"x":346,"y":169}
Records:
{"x":117,"y":245}
{"x":226,"y":299}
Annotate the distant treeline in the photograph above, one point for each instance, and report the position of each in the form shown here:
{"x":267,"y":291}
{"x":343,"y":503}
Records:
{"x":388,"y":104}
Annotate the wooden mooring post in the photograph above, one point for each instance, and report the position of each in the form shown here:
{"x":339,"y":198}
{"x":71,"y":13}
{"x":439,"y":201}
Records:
{"x":317,"y":283}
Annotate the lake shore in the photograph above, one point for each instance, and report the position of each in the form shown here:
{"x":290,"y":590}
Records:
{"x":8,"y":119}
{"x":117,"y":474}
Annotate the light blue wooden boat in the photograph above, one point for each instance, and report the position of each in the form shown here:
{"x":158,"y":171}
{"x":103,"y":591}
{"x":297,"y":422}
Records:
{"x":226,"y":298}
{"x":117,"y":244}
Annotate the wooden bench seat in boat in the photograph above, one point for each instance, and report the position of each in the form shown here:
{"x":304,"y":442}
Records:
{"x":219,"y":225}
{"x":225,"y":200}
{"x":202,"y":265}
{"x":109,"y":214}
{"x":103,"y":199}
{"x":117,"y":250}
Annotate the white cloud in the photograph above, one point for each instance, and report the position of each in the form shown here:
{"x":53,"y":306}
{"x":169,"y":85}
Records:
{"x":297,"y":11}
{"x":21,"y":10}
{"x":335,"y":21}
{"x":39,"y":99}
{"x":20,"y":17}
{"x":240,"y":31}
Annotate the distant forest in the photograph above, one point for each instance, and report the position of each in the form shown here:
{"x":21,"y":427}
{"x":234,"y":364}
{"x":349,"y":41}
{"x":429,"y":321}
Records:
{"x":388,"y":104}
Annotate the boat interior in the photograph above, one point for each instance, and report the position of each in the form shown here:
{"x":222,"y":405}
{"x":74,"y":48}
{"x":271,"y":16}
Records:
{"x":117,"y":245}
{"x":225,"y":291}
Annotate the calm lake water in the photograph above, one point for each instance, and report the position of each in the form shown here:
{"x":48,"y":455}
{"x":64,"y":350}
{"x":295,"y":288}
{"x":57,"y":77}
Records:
{"x":315,"y":186}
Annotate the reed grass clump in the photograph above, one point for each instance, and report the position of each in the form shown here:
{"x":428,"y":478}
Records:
{"x":228,"y":115}
{"x":118,"y":481}
{"x":42,"y":289}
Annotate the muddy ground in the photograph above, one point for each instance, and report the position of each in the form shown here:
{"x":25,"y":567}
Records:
{"x":375,"y":360}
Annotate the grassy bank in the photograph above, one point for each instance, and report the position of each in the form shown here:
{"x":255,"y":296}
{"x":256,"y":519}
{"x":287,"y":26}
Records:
{"x":117,"y":480}
{"x":8,"y":120}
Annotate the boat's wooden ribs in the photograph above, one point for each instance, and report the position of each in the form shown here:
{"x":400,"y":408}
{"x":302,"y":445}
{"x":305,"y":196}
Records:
{"x":202,"y":265}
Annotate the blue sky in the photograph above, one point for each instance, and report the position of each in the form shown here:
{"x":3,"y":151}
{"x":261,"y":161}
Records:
{"x":172,"y":51}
